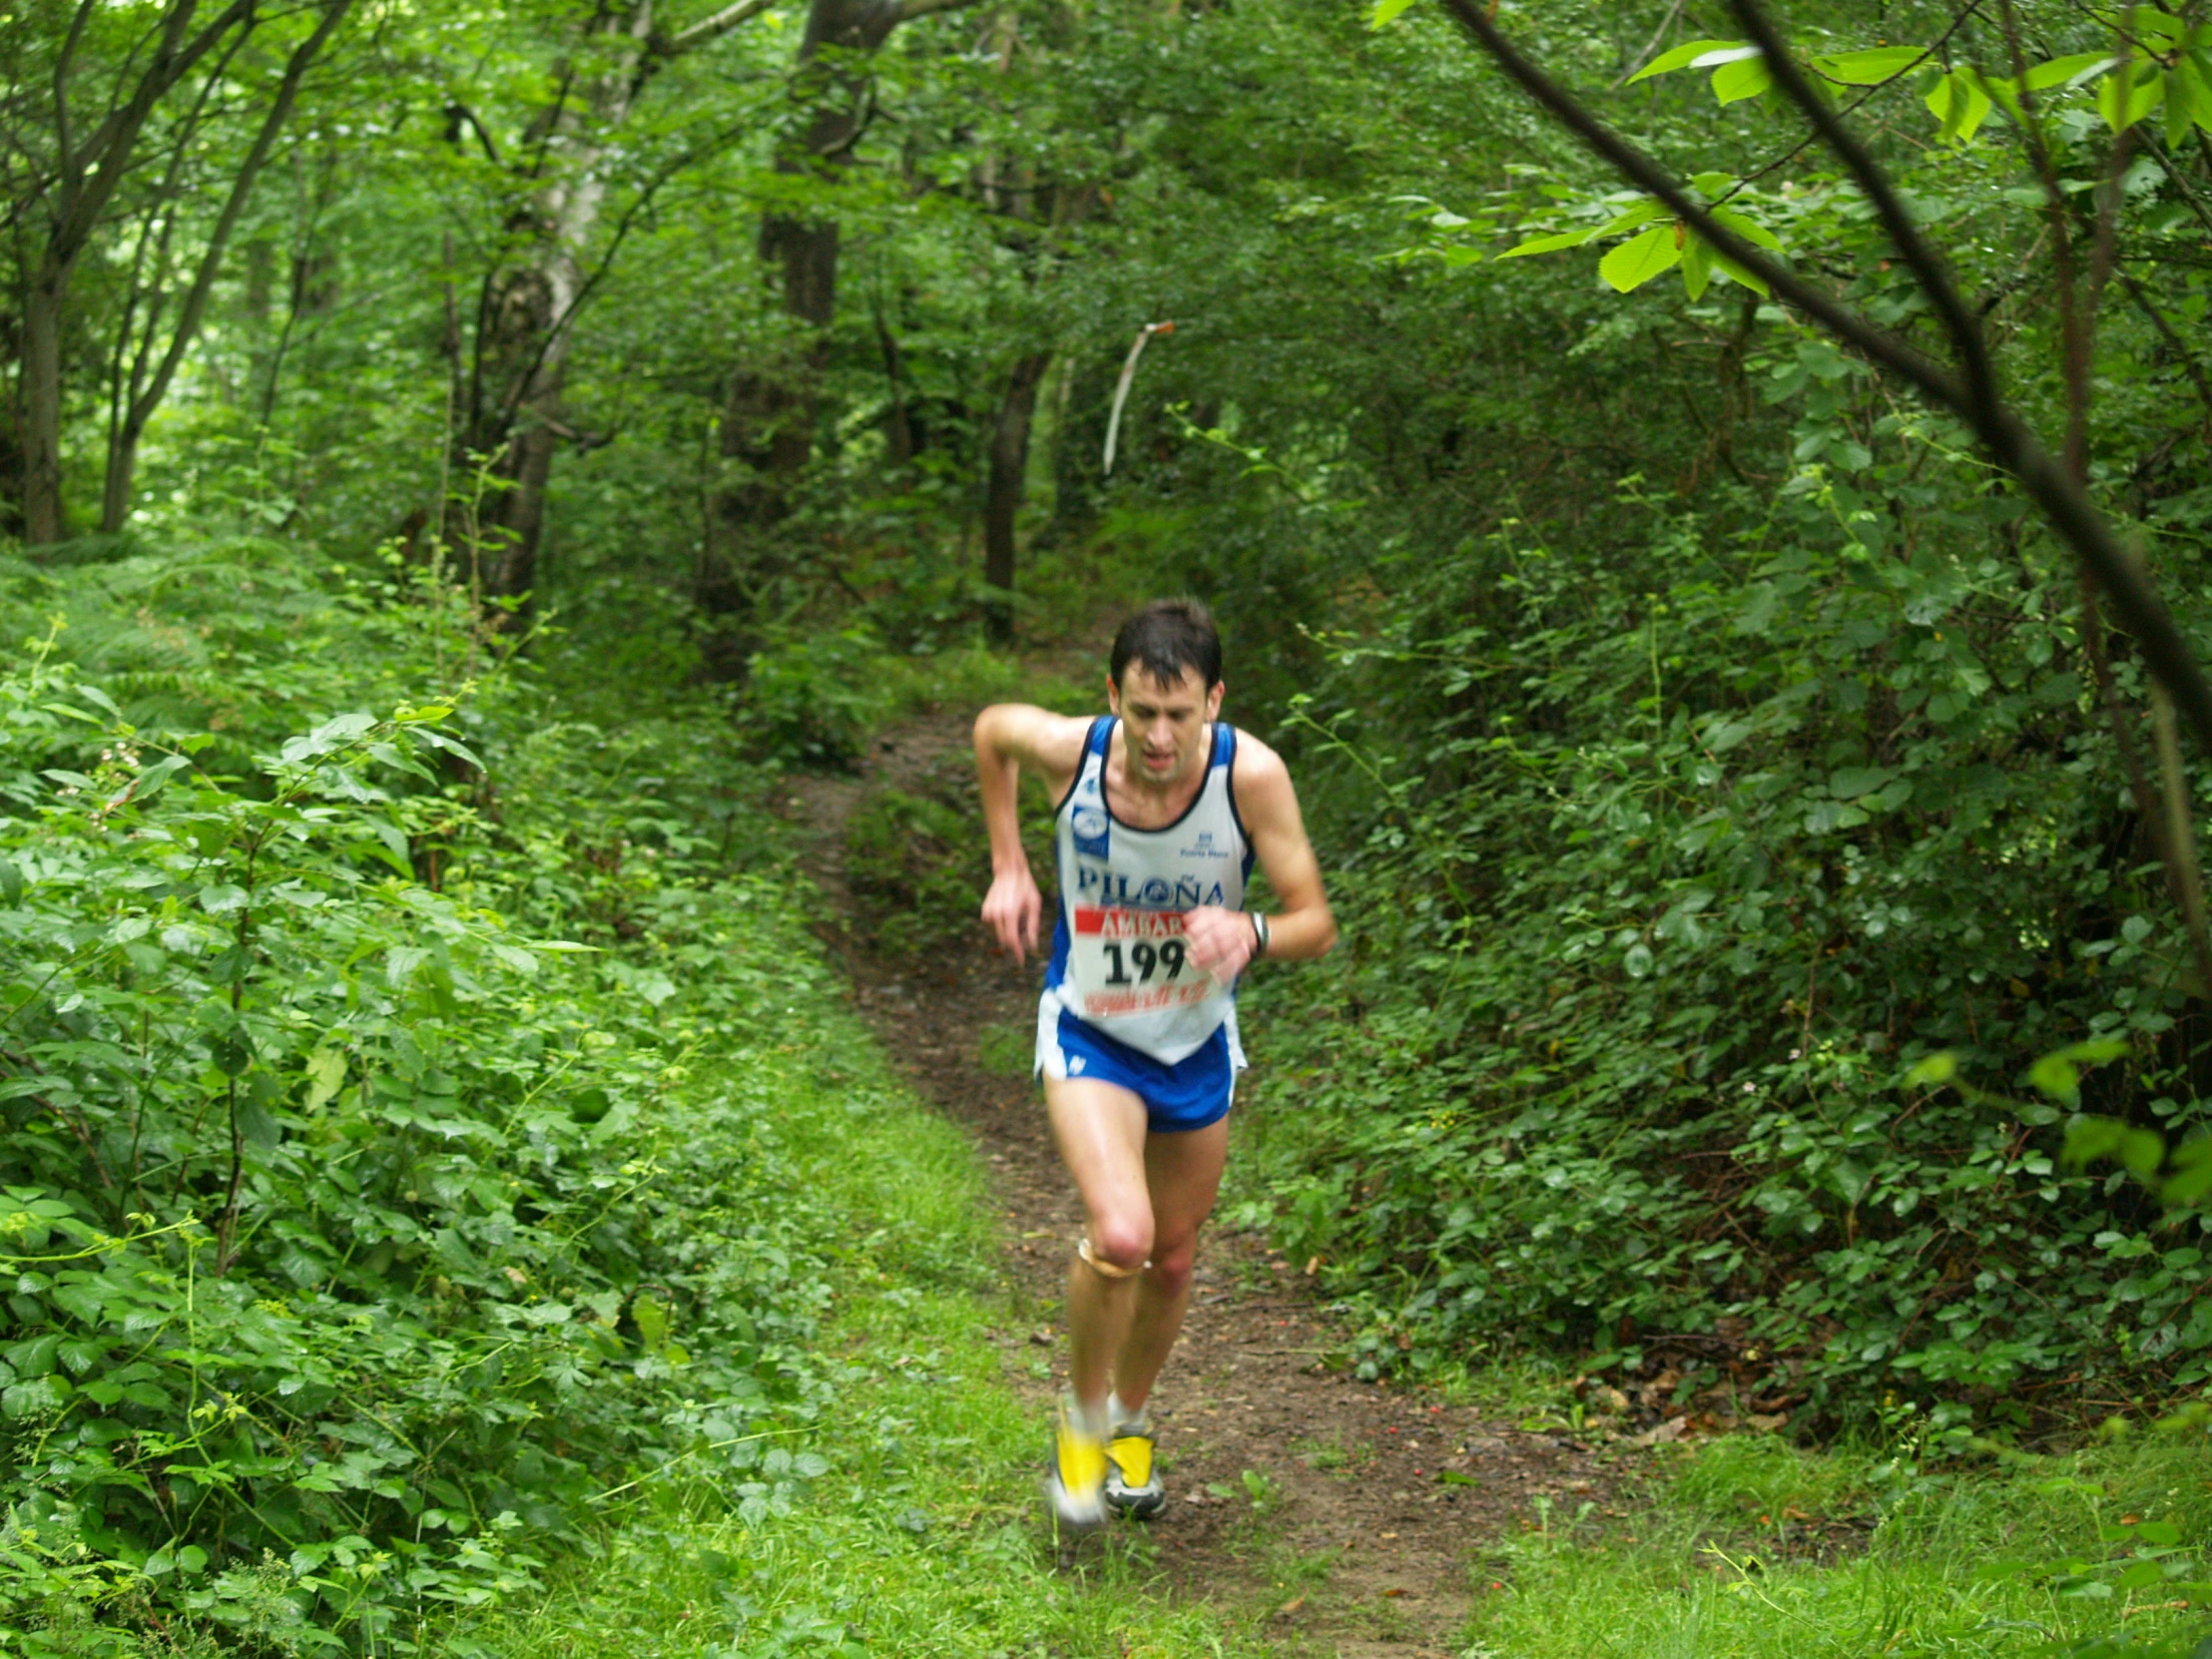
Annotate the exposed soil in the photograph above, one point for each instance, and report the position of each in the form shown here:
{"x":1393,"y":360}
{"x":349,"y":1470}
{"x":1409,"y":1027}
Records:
{"x":1360,"y":1512}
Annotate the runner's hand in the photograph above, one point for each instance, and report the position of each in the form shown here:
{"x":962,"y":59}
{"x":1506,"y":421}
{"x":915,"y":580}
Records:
{"x":1012,"y":910}
{"x":1222,"y":941}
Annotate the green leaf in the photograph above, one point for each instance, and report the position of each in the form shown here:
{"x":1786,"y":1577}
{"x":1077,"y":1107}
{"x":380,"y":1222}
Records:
{"x":1629,"y":219}
{"x":1850,"y":783}
{"x":1961,"y":102}
{"x":2068,"y":71}
{"x":1936,"y":1068}
{"x":1737,"y":274}
{"x":326,"y":1076}
{"x":2188,"y":100}
{"x":2091,"y":1138}
{"x":1385,"y":11}
{"x":2130,"y":93}
{"x":1640,"y":259}
{"x":2188,"y":1186}
{"x":1547,"y":244}
{"x":1746,"y":227}
{"x":1682,"y":57}
{"x":2154,"y":27}
{"x":1697,"y":265}
{"x":260,"y":1129}
{"x":1744,"y":78}
{"x":2142,"y":1151}
{"x":2056,"y":1075}
{"x":1871,"y":67}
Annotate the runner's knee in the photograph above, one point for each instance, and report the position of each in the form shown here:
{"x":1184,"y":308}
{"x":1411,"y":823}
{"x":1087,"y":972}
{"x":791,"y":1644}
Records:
{"x":1122,"y":1241}
{"x":1172,"y":1264}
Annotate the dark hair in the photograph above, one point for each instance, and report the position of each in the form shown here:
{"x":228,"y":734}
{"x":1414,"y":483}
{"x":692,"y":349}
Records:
{"x":1167,"y":637}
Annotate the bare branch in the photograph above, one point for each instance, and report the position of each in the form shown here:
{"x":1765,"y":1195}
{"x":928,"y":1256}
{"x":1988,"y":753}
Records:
{"x":712,"y":28}
{"x":459,"y":113}
{"x":62,"y":61}
{"x":905,"y":11}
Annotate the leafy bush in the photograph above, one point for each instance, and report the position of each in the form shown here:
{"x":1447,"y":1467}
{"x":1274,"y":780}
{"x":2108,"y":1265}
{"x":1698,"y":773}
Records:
{"x":917,"y":864}
{"x":1647,"y":934}
{"x":382,"y":1180}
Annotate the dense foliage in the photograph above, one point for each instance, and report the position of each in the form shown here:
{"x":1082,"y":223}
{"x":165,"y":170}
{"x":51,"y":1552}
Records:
{"x":1700,"y":774}
{"x":367,"y":1217}
{"x":1727,"y":793}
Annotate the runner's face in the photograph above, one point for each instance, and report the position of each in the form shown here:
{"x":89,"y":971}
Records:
{"x":1163,"y":723}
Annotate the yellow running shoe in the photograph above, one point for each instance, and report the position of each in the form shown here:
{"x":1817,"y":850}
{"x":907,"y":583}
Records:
{"x":1132,"y":1478}
{"x":1078,"y":1483}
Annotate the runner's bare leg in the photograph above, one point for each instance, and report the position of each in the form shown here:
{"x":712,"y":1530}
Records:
{"x":1101,"y":1131}
{"x":1182,"y":1174}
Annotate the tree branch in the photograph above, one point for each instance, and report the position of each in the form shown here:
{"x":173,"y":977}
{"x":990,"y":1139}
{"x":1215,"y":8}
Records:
{"x":511,"y":404}
{"x":712,"y":28}
{"x":62,"y":61}
{"x":1926,"y":268}
{"x":905,"y":11}
{"x":103,"y":155}
{"x":2065,"y":504}
{"x":241,"y":190}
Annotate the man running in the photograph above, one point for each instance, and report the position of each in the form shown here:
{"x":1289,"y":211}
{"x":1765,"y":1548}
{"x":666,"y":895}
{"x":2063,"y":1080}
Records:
{"x":1160,"y":812}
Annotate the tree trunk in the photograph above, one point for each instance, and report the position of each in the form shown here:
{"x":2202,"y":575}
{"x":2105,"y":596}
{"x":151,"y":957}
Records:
{"x":525,"y":326}
{"x":771,"y":418}
{"x":1002,"y":502}
{"x":81,"y":181}
{"x":45,"y":518}
{"x":898,"y":425}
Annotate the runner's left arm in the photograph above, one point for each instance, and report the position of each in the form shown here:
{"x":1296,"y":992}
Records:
{"x":1303,"y":927}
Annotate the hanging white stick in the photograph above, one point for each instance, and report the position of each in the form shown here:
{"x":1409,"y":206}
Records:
{"x":1129,"y":374}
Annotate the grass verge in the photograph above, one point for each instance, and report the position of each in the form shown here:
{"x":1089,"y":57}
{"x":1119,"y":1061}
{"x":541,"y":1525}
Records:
{"x":1750,"y":1547}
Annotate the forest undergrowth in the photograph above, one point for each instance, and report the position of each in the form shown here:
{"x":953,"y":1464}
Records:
{"x":589,"y":1283}
{"x":450,"y":1208}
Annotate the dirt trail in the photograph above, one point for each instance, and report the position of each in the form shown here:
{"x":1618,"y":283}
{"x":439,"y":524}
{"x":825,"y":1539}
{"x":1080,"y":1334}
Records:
{"x":1365,"y":1510}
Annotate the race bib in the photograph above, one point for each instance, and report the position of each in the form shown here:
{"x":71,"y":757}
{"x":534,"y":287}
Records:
{"x":1124,"y":961}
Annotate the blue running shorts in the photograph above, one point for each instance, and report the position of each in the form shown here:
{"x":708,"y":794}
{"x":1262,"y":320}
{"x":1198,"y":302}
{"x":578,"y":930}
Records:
{"x":1192,"y":1093}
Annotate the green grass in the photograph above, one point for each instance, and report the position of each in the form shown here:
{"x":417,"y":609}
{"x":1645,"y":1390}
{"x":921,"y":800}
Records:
{"x":2000,"y":1562}
{"x":927,"y":1535}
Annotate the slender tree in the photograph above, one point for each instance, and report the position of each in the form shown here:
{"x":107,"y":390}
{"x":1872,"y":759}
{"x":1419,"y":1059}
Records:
{"x":75,"y":133}
{"x":769,"y":424}
{"x":141,"y":383}
{"x":528,"y":304}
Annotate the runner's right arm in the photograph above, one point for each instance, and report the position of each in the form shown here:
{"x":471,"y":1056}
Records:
{"x":1009,"y":737}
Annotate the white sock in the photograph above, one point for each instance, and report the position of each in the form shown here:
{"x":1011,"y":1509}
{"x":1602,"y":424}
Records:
{"x":1123,"y":1417}
{"x":1092,"y":1420}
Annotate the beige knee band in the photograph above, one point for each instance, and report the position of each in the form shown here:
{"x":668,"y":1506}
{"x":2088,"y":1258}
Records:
{"x":1105,"y":1270}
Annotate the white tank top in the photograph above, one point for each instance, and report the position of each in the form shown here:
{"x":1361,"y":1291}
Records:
{"x":1120,"y":959}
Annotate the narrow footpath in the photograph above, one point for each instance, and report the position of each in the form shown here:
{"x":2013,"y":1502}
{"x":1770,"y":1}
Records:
{"x":1359,"y":1513}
